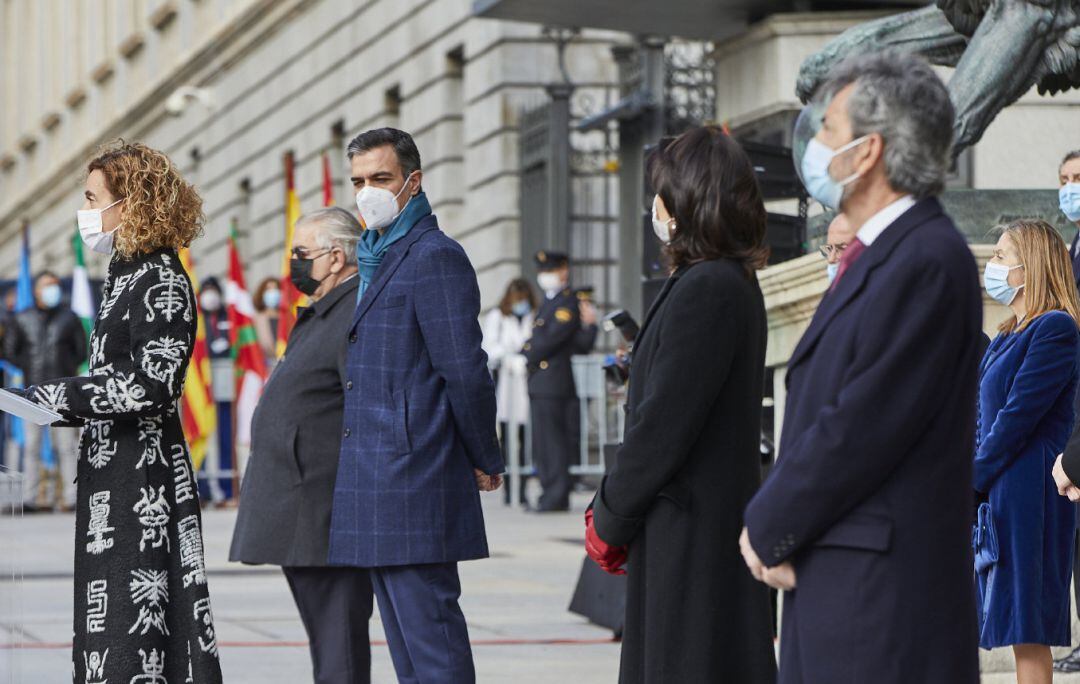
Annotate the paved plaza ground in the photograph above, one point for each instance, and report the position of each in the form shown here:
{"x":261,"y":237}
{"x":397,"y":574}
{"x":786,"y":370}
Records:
{"x":515,"y":603}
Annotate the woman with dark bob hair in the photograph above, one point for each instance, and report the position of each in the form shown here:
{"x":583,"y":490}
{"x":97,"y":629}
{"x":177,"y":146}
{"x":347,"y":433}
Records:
{"x":671,"y":508}
{"x":142,"y":609}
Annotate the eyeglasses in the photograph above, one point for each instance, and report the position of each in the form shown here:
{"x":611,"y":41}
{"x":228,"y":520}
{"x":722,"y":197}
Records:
{"x":828,"y":250}
{"x":302,"y":253}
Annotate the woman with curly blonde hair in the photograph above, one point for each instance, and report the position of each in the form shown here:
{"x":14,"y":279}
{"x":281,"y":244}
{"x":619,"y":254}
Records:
{"x":142,"y":610}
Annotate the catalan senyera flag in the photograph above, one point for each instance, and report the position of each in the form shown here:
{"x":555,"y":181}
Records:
{"x":290,"y":296}
{"x":198,"y":414}
{"x":248,"y":361}
{"x":327,"y":182}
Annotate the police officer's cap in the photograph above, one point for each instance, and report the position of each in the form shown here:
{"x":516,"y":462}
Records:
{"x":549,"y":261}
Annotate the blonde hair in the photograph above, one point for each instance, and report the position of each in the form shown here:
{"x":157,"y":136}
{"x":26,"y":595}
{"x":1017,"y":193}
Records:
{"x":1049,"y":284}
{"x":160,"y":209}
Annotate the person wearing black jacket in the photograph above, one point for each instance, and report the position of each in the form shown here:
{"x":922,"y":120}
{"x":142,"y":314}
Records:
{"x":671,"y":506}
{"x":565,"y":325}
{"x":47,"y":341}
{"x":288,"y":489}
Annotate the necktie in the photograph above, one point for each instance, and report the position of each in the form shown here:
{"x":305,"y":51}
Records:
{"x":850,"y":255}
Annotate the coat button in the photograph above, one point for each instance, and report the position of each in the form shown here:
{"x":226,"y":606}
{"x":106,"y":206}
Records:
{"x":527,"y":346}
{"x":348,"y":432}
{"x":348,"y":385}
{"x":543,"y":365}
{"x":352,"y":338}
{"x":539,"y":323}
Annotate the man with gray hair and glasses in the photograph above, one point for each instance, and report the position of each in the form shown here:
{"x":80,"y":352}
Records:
{"x":288,"y":489}
{"x":865,"y":521}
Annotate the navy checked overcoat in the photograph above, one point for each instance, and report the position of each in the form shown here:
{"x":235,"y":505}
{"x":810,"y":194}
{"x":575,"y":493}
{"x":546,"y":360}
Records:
{"x":419,"y":412}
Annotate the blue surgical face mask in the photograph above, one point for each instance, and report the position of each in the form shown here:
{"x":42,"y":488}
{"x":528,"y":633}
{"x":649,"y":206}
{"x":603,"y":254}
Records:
{"x":272,"y":299}
{"x":50,"y":296}
{"x":815,"y":171}
{"x":831,"y":270}
{"x":996,"y":282}
{"x":521,"y":308}
{"x":1069,"y":201}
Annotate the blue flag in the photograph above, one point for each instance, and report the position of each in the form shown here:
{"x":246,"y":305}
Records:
{"x":24,"y":299}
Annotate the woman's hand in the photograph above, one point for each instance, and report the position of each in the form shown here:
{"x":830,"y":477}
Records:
{"x":609,"y":558}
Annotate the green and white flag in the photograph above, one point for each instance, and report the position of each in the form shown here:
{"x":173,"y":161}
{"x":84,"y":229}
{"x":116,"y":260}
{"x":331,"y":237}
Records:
{"x":82,"y":301}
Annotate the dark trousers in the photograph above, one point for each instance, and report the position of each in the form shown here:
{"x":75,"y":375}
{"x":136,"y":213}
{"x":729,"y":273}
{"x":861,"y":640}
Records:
{"x":425,"y":628}
{"x":335,"y":607}
{"x":1076,"y":562}
{"x":555,"y":423}
{"x":504,"y":441}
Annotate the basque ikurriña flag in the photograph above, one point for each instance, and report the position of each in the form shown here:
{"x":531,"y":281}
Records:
{"x":248,"y":360}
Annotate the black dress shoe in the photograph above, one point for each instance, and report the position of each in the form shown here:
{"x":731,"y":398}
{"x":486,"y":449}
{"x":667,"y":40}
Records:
{"x":1070,"y":663}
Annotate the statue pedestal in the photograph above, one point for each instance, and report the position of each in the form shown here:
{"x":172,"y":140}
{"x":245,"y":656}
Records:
{"x":977,"y":212}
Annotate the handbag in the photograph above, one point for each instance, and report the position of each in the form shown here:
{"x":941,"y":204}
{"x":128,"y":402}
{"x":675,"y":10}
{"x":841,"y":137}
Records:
{"x":985,"y":543}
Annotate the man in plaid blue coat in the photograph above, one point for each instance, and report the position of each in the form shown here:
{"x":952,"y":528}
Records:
{"x":418,"y":440}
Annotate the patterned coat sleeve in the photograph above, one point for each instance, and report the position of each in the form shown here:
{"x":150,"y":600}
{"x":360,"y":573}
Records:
{"x":144,"y":376}
{"x":448,"y":308}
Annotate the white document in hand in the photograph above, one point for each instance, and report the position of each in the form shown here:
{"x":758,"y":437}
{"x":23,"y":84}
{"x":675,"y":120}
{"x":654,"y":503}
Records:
{"x":27,"y":410}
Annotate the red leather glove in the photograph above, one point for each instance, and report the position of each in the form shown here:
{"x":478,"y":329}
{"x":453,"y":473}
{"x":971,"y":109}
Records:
{"x":609,"y":558}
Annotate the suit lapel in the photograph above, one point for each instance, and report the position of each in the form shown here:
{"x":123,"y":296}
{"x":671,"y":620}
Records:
{"x":394,"y":256}
{"x":668,"y":284}
{"x":851,"y":284}
{"x":1074,"y":252}
{"x":993,"y":354}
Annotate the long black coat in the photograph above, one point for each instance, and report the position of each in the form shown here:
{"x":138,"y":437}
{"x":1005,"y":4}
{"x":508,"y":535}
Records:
{"x":288,"y":490}
{"x":871,"y":495}
{"x":689,"y":463}
{"x":141,"y":602}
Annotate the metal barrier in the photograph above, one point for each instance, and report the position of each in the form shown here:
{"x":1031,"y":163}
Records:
{"x":12,"y":626}
{"x":601,"y":419}
{"x":596,"y":409}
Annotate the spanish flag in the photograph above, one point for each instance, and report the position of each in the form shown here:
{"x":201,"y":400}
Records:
{"x":198,"y":412}
{"x":290,"y":296}
{"x":327,"y":182}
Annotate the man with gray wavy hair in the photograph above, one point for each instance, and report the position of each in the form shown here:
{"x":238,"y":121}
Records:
{"x":865,"y":521}
{"x":288,"y":490}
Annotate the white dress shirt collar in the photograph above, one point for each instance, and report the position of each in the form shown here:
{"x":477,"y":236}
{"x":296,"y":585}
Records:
{"x":876,"y":224}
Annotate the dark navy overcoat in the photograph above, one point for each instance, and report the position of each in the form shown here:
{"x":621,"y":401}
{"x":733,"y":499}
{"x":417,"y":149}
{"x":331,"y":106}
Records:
{"x":871,"y":496}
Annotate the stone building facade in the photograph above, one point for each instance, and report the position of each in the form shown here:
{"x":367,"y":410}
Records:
{"x":271,"y":77}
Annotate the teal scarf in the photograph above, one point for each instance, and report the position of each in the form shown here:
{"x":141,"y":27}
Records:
{"x":373,"y":247}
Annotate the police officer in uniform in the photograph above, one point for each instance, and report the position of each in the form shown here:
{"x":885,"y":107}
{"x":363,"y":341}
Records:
{"x":565,"y":325}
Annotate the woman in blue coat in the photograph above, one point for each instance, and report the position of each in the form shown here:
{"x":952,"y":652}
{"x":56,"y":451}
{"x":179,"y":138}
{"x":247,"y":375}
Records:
{"x":1028,"y":380}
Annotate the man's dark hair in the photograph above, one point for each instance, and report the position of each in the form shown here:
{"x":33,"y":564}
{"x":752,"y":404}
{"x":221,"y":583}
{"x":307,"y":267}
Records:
{"x":708,"y":186}
{"x":1075,"y":154}
{"x":45,"y":274}
{"x":404,"y":147}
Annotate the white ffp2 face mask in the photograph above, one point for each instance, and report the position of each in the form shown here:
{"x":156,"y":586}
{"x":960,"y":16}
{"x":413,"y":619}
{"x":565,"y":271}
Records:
{"x":90,"y":229}
{"x":663,"y":229}
{"x":378,"y":206}
{"x":549,"y":281}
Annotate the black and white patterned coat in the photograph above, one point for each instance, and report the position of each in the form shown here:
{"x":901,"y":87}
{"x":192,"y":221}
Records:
{"x":142,"y":610}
